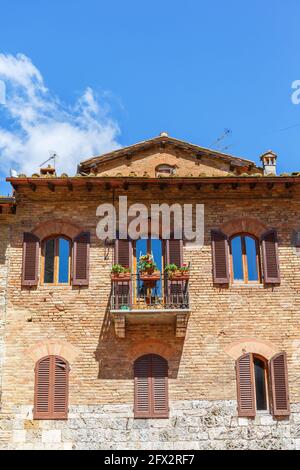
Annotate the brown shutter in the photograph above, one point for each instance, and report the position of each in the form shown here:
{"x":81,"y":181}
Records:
{"x":245,"y":386}
{"x":123,"y":256}
{"x":160,"y":406}
{"x":123,"y":253}
{"x":270,"y":257}
{"x":279,"y":384}
{"x":81,"y":255}
{"x":42,"y":389}
{"x":51,"y":388}
{"x":30,"y":260}
{"x":174,"y":252}
{"x":151,"y":387}
{"x":220,"y":257}
{"x":60,"y":394}
{"x":142,"y":387}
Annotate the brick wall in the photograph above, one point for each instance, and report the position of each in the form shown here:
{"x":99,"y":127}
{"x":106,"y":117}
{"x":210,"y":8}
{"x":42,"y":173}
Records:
{"x":200,"y":368}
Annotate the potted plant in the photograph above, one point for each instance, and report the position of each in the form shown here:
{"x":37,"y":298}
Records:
{"x":148,"y":269}
{"x":120,"y":273}
{"x":176,"y":273}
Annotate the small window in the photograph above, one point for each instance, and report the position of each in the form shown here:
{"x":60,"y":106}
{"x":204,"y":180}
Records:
{"x":51,"y":388}
{"x":245,"y":259}
{"x":262,"y":385}
{"x":151,"y":387}
{"x":164,"y":170}
{"x":56,"y":261}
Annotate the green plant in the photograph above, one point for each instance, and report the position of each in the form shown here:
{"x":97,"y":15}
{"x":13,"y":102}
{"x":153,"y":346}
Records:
{"x":119,"y":269}
{"x":147,"y":263}
{"x":184,"y":268}
{"x":171,"y":268}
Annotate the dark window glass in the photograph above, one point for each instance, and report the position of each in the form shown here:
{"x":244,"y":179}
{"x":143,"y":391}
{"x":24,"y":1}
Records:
{"x":251,"y":258}
{"x":63,"y":265}
{"x":49,"y":261}
{"x":237,"y":259}
{"x":260,"y":384}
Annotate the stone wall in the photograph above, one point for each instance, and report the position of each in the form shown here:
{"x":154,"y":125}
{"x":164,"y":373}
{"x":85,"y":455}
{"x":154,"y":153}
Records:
{"x":192,"y":425}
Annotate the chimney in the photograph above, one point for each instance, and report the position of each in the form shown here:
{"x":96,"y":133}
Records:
{"x":48,"y":171}
{"x":268,"y":160}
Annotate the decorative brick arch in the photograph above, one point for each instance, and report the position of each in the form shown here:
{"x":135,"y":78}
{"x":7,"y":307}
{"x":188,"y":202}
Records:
{"x":251,"y":345}
{"x":151,"y":346}
{"x":57,"y":227}
{"x":244,"y":224}
{"x":53,"y":347}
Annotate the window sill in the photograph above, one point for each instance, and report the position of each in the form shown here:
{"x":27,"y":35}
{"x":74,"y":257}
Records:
{"x":53,"y":286}
{"x":249,"y":286}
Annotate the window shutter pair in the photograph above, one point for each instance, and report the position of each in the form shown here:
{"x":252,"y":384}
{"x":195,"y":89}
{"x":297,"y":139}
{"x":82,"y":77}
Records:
{"x":151,"y":387}
{"x":220,"y":257}
{"x":80,"y":262}
{"x":51,"y":388}
{"x":278,"y":386}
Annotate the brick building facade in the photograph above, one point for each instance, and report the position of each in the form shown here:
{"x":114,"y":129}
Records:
{"x":229,"y":336}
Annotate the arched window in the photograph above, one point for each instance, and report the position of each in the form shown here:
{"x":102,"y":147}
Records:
{"x":245,"y":259}
{"x":151,"y":387}
{"x":56,"y":260}
{"x":51,"y":388}
{"x":164,"y":169}
{"x":254,"y":390}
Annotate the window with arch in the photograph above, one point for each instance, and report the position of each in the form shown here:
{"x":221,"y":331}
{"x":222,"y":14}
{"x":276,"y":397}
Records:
{"x":262,"y":385}
{"x":151,"y":387}
{"x":54,"y":267}
{"x":245,"y":259}
{"x":51,"y":388}
{"x":164,"y":169}
{"x":56,"y":260}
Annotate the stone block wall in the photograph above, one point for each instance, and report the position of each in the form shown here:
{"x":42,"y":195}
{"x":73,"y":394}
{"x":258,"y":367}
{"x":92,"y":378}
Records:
{"x":193,"y":425}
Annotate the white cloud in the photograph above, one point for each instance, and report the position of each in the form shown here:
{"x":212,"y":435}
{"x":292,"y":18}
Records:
{"x":38,"y":122}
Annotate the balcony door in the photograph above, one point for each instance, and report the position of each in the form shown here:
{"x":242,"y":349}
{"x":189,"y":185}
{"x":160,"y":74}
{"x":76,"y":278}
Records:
{"x":154,"y":247}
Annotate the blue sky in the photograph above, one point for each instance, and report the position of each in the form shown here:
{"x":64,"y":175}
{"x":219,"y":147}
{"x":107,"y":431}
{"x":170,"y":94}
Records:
{"x":120,"y":72}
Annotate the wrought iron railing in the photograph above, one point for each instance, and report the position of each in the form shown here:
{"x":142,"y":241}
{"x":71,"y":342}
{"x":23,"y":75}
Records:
{"x":136,"y":294}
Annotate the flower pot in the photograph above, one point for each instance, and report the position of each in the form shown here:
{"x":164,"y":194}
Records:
{"x":179,"y":276}
{"x":120,"y":277}
{"x":151,"y":276}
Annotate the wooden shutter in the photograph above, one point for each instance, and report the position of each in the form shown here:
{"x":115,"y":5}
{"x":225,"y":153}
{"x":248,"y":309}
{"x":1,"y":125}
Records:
{"x":51,"y":388}
{"x":151,"y":387}
{"x":279,"y":385}
{"x":160,"y":407}
{"x":270,"y":257}
{"x":123,"y":253}
{"x":245,"y":386}
{"x":220,"y":257}
{"x":60,"y":393}
{"x":42,"y":389}
{"x":81,"y":255}
{"x":30,"y":259}
{"x":142,"y":387}
{"x":174,"y":252}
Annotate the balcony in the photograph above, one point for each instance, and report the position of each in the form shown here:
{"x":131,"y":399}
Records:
{"x":164,"y":301}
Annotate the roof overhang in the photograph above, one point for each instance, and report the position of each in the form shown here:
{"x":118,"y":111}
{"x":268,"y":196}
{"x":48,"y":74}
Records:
{"x":125,"y":181}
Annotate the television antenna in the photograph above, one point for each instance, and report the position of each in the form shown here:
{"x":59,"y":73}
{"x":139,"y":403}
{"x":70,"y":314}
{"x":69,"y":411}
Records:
{"x":225,"y":134}
{"x":53,"y":156}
